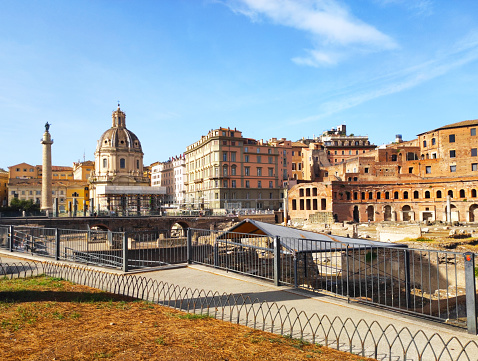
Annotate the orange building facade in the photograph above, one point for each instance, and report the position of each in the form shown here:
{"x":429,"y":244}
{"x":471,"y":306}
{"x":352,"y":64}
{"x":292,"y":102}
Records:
{"x":404,"y":181}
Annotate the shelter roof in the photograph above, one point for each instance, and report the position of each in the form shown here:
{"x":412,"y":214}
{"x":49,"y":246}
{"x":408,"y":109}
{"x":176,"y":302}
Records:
{"x":305,"y":241}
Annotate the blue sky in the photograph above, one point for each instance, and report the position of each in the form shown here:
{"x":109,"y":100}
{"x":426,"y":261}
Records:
{"x":270,"y":68}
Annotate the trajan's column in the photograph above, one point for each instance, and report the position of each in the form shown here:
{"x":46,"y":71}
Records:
{"x":46,"y":195}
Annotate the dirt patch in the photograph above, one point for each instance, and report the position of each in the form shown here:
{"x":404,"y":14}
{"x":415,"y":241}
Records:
{"x":44,"y":318}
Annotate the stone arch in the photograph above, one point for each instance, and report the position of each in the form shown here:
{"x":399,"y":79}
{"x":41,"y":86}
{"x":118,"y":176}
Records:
{"x":454,"y":213}
{"x":356,"y":214}
{"x":387,"y":213}
{"x":407,"y":213}
{"x":370,"y":213}
{"x":179,"y":229}
{"x":100,"y":227}
{"x":473,"y":212}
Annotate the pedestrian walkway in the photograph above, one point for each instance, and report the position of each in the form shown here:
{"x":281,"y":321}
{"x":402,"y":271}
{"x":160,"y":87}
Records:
{"x":289,"y":303}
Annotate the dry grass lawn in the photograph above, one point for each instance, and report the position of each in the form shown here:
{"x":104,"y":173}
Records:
{"x":43,"y":318}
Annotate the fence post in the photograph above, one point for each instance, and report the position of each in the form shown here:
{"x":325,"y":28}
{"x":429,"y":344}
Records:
{"x":408,"y":297}
{"x":189,"y":246}
{"x":125,"y":251}
{"x":470,"y":288}
{"x":347,"y":266}
{"x":296,"y":271}
{"x":277,"y":270}
{"x":57,"y":244}
{"x":10,"y":238}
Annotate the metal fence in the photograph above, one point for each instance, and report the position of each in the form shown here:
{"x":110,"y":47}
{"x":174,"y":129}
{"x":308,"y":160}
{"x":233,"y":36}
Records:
{"x":368,"y":339}
{"x":120,"y":250}
{"x":428,"y":283}
{"x":438,"y":285}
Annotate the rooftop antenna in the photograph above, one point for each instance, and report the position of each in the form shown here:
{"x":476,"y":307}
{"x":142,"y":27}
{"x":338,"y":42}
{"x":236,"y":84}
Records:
{"x":84,"y":156}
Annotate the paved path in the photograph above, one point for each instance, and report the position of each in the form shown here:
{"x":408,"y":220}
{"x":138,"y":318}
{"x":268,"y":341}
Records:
{"x":306,"y":303}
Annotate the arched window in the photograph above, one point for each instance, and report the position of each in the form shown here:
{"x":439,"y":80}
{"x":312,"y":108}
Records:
{"x":122,"y":163}
{"x":462,"y":193}
{"x":224,"y":171}
{"x":438,"y":194}
{"x":427,"y":194}
{"x":363,"y":195}
{"x":405,"y":195}
{"x":379,"y":195}
{"x":395,"y":195}
{"x":137,"y":163}
{"x":233,"y":170}
{"x":105,"y":163}
{"x":473,"y":193}
{"x":415,"y":194}
{"x":370,"y":195}
{"x":387,"y":195}
{"x":450,"y":193}
{"x":348,"y":195}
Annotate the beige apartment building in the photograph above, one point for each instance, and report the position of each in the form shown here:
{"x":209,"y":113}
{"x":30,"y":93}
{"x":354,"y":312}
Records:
{"x":226,"y":170}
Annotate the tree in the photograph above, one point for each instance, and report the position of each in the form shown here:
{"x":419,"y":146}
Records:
{"x":23,"y":205}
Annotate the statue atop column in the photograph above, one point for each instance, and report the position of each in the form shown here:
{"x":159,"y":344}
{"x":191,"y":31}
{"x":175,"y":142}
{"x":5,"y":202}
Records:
{"x":47,"y":127}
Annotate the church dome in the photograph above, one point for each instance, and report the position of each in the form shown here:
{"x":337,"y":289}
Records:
{"x":118,"y":136}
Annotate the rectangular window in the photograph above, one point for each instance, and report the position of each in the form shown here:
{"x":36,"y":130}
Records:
{"x":451,"y":138}
{"x":233,"y":156}
{"x":433,"y":141}
{"x":246,"y":149}
{"x":452,"y":153}
{"x":259,"y":184}
{"x":258,"y":150}
{"x":424,"y":144}
{"x":233,"y":184}
{"x":474,"y":167}
{"x":247,"y":184}
{"x":224,"y":156}
{"x":473,"y":132}
{"x":246,"y":158}
{"x":105,"y":162}
{"x":410,"y":170}
{"x":271,"y":160}
{"x":259,"y":171}
{"x":271,"y":184}
{"x":225,"y":183}
{"x":365,"y":170}
{"x":428,"y":169}
{"x":271,"y":172}
{"x":453,"y":168}
{"x":258,"y":159}
{"x":233,"y":170}
{"x":247,"y":171}
{"x":473,"y":152}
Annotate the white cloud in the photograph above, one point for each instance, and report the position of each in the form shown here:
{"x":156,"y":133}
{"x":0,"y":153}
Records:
{"x":464,"y":52}
{"x":330,"y":24}
{"x":417,"y":7}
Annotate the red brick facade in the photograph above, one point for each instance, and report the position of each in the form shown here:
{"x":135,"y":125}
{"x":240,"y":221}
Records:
{"x":407,"y":181}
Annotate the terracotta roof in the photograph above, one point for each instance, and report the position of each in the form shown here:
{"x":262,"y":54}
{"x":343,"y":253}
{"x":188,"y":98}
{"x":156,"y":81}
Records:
{"x":465,"y":123}
{"x":299,"y":144}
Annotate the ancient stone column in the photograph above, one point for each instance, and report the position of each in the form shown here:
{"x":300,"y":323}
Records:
{"x":46,"y":187}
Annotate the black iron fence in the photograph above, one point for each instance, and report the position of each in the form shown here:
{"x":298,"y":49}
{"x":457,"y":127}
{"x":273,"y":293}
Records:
{"x":121,"y":250}
{"x":435,"y":284}
{"x":439,"y":285}
{"x":368,"y":339}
